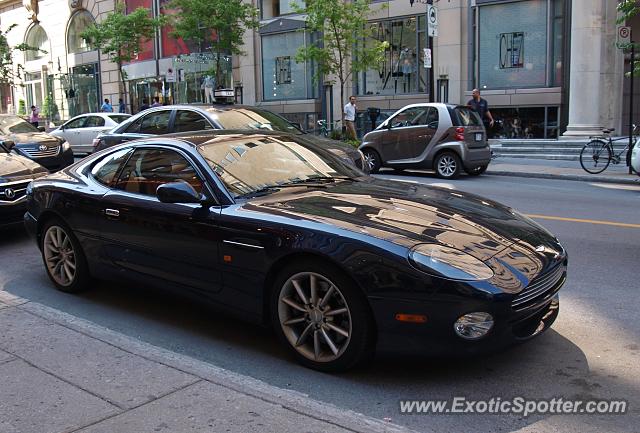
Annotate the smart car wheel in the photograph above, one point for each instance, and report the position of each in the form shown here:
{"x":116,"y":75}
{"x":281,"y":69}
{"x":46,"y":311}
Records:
{"x":63,"y":257}
{"x":476,"y":171}
{"x":372,"y":160}
{"x":322,"y":318}
{"x":447,"y":165}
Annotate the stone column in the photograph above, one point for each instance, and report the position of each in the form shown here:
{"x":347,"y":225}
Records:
{"x":588,"y":63}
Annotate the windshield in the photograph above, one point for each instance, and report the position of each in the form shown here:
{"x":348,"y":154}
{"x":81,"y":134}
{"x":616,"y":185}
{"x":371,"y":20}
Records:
{"x":15,"y":125}
{"x":250,"y":163}
{"x":244,"y":118}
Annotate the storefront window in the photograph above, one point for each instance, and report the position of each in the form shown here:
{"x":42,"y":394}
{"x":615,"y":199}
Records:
{"x":513,"y":44}
{"x":78,"y":23}
{"x":196,"y":77}
{"x":282,"y":76}
{"x":558,"y":42}
{"x":531,"y":122}
{"x":83,"y":92}
{"x":36,"y":37}
{"x":401,"y":71}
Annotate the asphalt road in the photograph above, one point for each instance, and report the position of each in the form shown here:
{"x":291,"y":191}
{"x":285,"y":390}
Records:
{"x":593,"y":350}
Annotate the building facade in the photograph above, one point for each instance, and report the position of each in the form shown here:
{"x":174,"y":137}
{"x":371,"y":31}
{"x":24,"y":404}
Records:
{"x":548,"y":68}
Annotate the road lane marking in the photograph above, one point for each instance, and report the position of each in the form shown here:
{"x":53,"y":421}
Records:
{"x":587,"y":221}
{"x":617,"y":186}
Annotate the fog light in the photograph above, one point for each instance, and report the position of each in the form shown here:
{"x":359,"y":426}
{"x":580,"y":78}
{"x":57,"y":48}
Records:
{"x":473,"y":325}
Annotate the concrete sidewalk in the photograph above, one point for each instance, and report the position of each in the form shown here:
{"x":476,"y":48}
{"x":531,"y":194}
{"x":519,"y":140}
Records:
{"x":567,"y":170}
{"x":59,"y":373}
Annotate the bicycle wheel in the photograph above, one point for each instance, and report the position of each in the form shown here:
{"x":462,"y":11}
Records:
{"x":595,"y":156}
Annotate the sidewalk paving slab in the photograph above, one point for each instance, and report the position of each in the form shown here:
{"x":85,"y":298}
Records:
{"x":106,"y":381}
{"x":616,"y":174}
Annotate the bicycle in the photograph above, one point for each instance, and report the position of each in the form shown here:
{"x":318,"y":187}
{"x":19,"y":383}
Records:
{"x":597,"y":154}
{"x":324,"y":129}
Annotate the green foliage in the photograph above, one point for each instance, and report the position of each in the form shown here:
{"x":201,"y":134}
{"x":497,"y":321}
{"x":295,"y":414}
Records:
{"x":22,"y":107}
{"x":335,"y":134}
{"x":627,"y":9}
{"x":216,"y":25}
{"x":7,"y":73}
{"x":355,"y":143}
{"x":346,"y":45}
{"x":50,"y":109}
{"x":120,"y":35}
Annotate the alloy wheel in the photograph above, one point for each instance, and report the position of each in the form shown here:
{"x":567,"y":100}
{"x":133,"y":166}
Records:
{"x":59,"y":255}
{"x":314,"y":317}
{"x":447,"y":165}
{"x":370,"y":160}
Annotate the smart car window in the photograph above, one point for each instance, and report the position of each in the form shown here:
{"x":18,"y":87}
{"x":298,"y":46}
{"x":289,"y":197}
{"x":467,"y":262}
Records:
{"x":147,"y":169}
{"x":415,"y":116}
{"x":466,"y":117}
{"x":190,"y":121}
{"x":432,"y":118}
{"x":107,"y":168}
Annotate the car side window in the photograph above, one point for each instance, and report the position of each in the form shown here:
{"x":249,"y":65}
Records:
{"x":414,"y":116}
{"x":156,"y":123}
{"x":190,"y":121}
{"x":433,"y":118}
{"x":147,"y":169}
{"x":94,"y":122}
{"x":106,"y":169}
{"x":76,"y":123}
{"x":134,"y":127}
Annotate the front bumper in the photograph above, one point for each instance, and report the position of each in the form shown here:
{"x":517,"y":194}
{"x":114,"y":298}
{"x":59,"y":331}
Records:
{"x":30,"y":224}
{"x":11,"y":214}
{"x":58,"y":162}
{"x":437,"y":337}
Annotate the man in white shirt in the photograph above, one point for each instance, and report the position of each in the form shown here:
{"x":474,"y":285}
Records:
{"x":350,"y":118}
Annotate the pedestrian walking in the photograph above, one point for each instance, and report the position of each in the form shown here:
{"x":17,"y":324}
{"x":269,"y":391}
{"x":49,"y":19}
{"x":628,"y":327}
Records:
{"x":106,"y":107}
{"x":350,"y":118}
{"x":34,"y":116}
{"x":122,"y":108}
{"x":156,"y":102}
{"x":480,"y":106}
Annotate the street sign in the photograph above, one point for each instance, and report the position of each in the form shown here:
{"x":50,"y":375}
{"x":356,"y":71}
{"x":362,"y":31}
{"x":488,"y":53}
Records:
{"x":624,"y":35}
{"x":427,"y":57}
{"x":170,"y":76}
{"x":432,"y":20}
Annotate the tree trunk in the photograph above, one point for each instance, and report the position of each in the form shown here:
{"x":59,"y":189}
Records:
{"x":124,"y":89}
{"x":342,"y":104}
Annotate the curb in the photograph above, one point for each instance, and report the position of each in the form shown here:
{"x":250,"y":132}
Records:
{"x":574,"y":177}
{"x":292,"y":400}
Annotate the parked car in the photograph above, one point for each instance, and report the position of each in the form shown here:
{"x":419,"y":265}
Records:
{"x":16,"y":172}
{"x":445,"y":138}
{"x":51,"y":152}
{"x":275,"y":230}
{"x":186,"y":118}
{"x":80,"y":131}
{"x":635,"y":157}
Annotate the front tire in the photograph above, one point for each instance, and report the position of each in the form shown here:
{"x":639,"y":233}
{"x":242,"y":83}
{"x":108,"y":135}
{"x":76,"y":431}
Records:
{"x":595,"y":156}
{"x":372,"y":159}
{"x":447,"y":165}
{"x":63,"y":257}
{"x":322,"y":317}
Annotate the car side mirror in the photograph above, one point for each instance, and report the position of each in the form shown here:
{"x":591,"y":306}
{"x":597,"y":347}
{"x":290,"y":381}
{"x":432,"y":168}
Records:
{"x":7,"y":145}
{"x":178,"y":192}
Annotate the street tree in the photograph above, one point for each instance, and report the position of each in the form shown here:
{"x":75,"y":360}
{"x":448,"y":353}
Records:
{"x":627,"y":9}
{"x":120,"y":36}
{"x":346,"y":44}
{"x":9,"y":74}
{"x":217,"y":26}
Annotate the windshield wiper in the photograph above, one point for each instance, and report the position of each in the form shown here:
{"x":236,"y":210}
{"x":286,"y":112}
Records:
{"x":310,"y":182}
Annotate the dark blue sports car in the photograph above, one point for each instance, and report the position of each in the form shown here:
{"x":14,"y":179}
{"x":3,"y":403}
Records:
{"x":274,"y":229}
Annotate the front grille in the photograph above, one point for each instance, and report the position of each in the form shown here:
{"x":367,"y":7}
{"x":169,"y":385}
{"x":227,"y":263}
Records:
{"x":35,"y":152}
{"x":540,"y":288}
{"x":12,"y":192}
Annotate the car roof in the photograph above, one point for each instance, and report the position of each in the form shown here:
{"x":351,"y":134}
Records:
{"x":195,"y":139}
{"x":431,"y":104}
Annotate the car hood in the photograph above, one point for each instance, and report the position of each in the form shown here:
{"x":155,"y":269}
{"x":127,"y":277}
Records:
{"x":32,"y":137}
{"x":16,"y":167}
{"x":408,"y":214}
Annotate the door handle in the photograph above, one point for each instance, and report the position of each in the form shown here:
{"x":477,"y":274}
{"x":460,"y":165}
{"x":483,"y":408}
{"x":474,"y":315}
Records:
{"x":112,"y":212}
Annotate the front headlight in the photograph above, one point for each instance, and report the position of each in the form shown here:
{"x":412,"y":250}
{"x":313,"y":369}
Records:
{"x":449,"y":263}
{"x":65,"y":146}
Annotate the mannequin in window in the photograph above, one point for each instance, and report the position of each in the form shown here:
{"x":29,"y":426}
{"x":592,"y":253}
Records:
{"x":208,"y":84}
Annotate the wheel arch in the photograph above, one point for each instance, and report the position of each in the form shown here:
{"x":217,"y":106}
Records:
{"x":45,"y":217}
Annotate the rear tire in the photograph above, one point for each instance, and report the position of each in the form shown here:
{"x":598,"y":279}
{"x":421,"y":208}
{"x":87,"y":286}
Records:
{"x":63,"y":257}
{"x":595,"y":156}
{"x":372,"y":159}
{"x":447,"y":165}
{"x":322,"y":317}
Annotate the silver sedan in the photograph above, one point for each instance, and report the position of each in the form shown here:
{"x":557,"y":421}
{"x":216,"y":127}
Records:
{"x":80,"y":131}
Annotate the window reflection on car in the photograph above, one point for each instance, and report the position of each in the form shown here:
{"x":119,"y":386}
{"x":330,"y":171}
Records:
{"x":243,"y":118}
